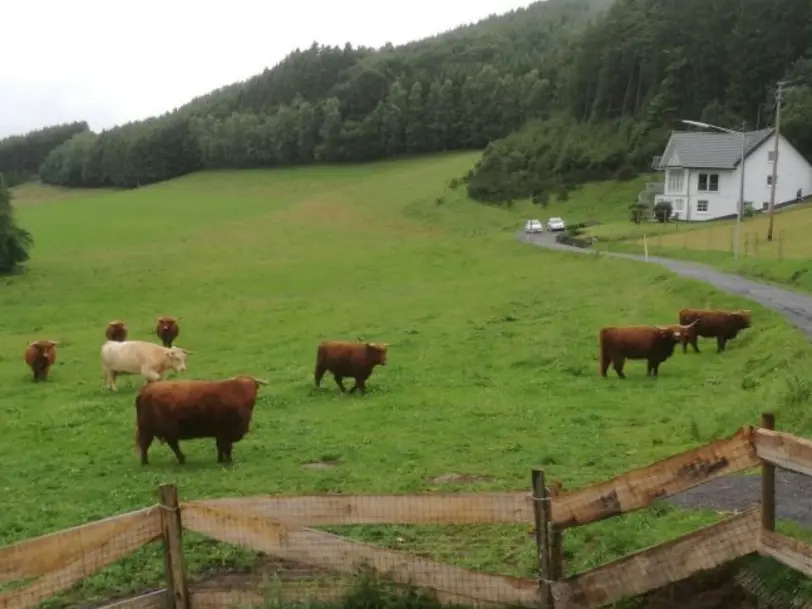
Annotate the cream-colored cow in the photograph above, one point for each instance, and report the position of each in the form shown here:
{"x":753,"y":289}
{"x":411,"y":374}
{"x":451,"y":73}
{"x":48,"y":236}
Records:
{"x":139,"y":357}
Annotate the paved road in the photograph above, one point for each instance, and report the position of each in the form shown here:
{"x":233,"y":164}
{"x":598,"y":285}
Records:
{"x":793,"y":491}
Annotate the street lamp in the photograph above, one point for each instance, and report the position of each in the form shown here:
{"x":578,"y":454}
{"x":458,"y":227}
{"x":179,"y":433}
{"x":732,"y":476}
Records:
{"x":741,"y":181}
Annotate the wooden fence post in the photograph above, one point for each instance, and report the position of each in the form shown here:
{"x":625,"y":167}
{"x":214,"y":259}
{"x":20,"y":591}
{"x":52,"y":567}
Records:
{"x":541,"y":511}
{"x":767,"y":481}
{"x":177,"y":589}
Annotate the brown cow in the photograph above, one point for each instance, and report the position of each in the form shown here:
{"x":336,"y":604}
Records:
{"x":349,"y":359}
{"x":116,"y":330}
{"x":40,"y":355}
{"x":167,"y":329}
{"x":652,"y":343}
{"x":186,"y":409}
{"x":710,"y":323}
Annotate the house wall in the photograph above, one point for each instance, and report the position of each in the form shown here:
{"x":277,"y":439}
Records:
{"x":793,"y":173}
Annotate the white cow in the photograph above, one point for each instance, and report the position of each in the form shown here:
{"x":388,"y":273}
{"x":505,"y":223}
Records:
{"x":139,"y":357}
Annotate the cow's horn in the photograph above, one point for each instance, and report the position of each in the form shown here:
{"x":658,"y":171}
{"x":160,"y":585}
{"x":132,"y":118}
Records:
{"x":186,"y":351}
{"x":260,"y":381}
{"x":692,"y":324}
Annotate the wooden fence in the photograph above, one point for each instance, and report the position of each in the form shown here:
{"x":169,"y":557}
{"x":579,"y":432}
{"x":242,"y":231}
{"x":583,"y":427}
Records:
{"x":280,"y":526}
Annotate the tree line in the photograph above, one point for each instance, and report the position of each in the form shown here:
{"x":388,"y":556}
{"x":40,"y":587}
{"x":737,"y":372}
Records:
{"x":22,"y":155}
{"x":459,"y":90}
{"x":641,"y":69}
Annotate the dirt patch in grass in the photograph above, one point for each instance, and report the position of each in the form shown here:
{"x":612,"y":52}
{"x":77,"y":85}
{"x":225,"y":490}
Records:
{"x":448,"y":478}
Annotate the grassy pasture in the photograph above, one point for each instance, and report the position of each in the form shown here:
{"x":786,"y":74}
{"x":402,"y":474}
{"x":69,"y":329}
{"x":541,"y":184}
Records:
{"x":492,"y":364}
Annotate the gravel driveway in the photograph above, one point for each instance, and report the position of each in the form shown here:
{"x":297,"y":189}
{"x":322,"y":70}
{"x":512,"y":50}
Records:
{"x":734,"y":493}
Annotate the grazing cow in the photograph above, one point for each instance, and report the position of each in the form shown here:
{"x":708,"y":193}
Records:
{"x":710,"y":323}
{"x":349,"y":359}
{"x":652,"y":343}
{"x":186,"y":409}
{"x":139,"y":357}
{"x":167,"y":329}
{"x":116,"y":330}
{"x":40,"y":355}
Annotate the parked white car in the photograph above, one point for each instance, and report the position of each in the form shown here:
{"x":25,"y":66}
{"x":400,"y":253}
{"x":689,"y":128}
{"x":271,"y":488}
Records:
{"x":533,"y":226}
{"x":556,"y":223}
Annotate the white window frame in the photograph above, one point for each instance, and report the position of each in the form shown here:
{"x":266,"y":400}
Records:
{"x":708,"y":177}
{"x":771,"y":156}
{"x":679,"y":205}
{"x":676,"y":180}
{"x":707,"y":206}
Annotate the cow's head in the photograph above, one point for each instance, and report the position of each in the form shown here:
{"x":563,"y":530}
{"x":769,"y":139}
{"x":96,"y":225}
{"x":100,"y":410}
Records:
{"x":377,"y":353}
{"x":166,"y":323}
{"x":742,"y":318}
{"x":116,"y":330}
{"x":177,"y":358}
{"x":670,"y":334}
{"x":44,"y":348}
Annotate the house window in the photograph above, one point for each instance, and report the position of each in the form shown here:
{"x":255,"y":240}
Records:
{"x":771,"y":156}
{"x":770,"y":180}
{"x":675,"y":180}
{"x":702,"y":207}
{"x":708,"y":182}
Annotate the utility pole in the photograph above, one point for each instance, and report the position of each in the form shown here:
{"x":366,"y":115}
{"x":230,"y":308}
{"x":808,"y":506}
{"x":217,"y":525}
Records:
{"x":779,"y":94}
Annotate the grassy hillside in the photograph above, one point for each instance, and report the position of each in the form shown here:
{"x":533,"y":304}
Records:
{"x":492,"y":365}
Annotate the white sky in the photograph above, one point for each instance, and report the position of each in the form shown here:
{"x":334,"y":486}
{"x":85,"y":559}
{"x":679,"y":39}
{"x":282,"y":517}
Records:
{"x":112,"y":62}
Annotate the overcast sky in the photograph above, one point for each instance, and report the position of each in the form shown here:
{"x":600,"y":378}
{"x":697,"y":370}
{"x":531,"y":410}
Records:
{"x":112,"y":62}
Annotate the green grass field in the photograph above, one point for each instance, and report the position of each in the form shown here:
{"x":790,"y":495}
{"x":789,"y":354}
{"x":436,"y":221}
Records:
{"x":492,"y":359}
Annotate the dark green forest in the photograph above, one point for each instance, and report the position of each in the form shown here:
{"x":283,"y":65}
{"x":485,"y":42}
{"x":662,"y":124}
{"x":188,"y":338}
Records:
{"x":22,"y":155}
{"x":558,"y":93}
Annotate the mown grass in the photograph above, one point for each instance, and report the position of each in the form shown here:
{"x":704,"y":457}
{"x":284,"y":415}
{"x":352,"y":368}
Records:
{"x":492,"y":365}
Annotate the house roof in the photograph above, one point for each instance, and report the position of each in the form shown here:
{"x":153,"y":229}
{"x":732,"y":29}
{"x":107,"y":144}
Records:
{"x":711,"y":149}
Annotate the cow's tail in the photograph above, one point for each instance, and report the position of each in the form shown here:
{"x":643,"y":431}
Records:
{"x":603,"y":353}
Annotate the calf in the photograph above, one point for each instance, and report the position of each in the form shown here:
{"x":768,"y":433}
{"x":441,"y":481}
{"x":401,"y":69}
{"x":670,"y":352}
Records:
{"x":116,"y":330}
{"x":167,"y":329}
{"x":710,"y":323}
{"x":139,"y":357}
{"x":40,"y":355}
{"x":655,"y":344}
{"x":185,"y":409}
{"x":349,"y":359}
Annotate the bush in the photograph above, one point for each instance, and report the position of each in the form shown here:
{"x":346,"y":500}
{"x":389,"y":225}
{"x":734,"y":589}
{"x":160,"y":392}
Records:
{"x":541,"y":198}
{"x":663,"y":211}
{"x":639,"y":211}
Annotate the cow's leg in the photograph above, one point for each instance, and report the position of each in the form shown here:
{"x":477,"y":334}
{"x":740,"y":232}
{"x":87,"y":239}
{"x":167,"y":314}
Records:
{"x":655,"y":369}
{"x":318,"y":373}
{"x":223,"y":450}
{"x":617,"y":364}
{"x":150,"y":374}
{"x":144,"y":442}
{"x":340,"y":382}
{"x":694,"y":342}
{"x":173,"y":444}
{"x":720,"y":343}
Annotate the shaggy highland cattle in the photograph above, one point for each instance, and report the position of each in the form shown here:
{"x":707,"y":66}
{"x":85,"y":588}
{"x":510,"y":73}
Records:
{"x":349,"y":359}
{"x":139,"y":357}
{"x":186,"y":409}
{"x":167,"y":329}
{"x":40,"y":355}
{"x":718,"y":324}
{"x":655,"y":344}
{"x":116,"y":330}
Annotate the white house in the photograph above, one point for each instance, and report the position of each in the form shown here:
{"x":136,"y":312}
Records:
{"x":702,"y":172}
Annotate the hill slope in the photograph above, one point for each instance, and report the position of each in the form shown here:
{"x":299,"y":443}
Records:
{"x":492,"y":364}
{"x":458,"y":90}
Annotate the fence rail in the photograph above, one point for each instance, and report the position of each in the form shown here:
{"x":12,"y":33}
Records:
{"x":281,"y":527}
